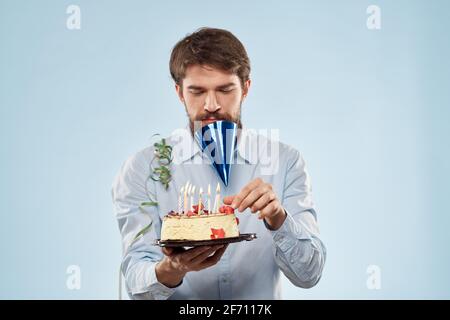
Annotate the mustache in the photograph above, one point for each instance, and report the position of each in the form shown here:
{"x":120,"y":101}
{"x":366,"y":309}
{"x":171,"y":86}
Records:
{"x":196,"y":123}
{"x":214,"y":116}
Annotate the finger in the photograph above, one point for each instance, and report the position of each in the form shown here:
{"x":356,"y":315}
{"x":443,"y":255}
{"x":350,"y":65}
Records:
{"x":245,"y":191}
{"x":192,"y":253}
{"x":171,"y":251}
{"x":253,"y":196}
{"x":168,"y":251}
{"x":268,"y":210}
{"x":228,"y":200}
{"x":199,"y":259}
{"x":210,"y":261}
{"x":262,"y":202}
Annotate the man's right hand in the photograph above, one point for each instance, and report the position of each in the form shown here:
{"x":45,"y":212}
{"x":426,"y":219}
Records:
{"x":177,"y":262}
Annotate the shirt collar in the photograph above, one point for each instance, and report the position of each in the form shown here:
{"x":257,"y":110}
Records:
{"x":185,"y":147}
{"x":247,"y":146}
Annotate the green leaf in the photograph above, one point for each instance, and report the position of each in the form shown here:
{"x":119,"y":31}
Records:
{"x":163,"y":153}
{"x":149,"y":203}
{"x":142,"y":232}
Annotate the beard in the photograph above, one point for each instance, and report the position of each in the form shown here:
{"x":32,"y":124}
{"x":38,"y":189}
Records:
{"x":196,"y":122}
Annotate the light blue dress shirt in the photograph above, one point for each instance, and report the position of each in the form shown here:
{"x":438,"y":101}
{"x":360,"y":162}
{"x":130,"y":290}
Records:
{"x":247,"y":270}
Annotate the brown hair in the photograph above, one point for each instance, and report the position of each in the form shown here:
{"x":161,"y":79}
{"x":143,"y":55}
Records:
{"x":209,"y":46}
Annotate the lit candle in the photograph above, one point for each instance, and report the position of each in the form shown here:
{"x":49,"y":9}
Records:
{"x":200,"y":193}
{"x":192,"y":198}
{"x":209,"y":198}
{"x":217,"y":200}
{"x":180,"y":206}
{"x":186,"y":187}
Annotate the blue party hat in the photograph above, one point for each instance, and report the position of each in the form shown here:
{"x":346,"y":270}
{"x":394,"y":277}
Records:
{"x":218,"y":140}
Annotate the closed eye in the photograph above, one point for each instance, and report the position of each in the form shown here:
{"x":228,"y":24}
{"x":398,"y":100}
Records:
{"x":196,"y":92}
{"x":226,"y":90}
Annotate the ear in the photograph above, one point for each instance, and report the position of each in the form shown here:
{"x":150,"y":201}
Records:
{"x":246,"y":88}
{"x":179,"y":91}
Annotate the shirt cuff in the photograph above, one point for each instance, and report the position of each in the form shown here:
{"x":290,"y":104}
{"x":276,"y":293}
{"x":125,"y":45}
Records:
{"x":287,"y":235}
{"x":153,"y":287}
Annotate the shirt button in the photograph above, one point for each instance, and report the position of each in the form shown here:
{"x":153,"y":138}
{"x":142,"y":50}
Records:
{"x":292,"y":260}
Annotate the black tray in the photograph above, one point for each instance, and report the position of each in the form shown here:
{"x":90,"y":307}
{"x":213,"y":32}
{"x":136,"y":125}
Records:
{"x":212,"y":242}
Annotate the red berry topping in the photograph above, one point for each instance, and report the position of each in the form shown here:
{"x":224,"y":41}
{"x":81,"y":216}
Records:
{"x":190,"y":213}
{"x":196,"y":207}
{"x":226,"y":209}
{"x":229,"y":210}
{"x":217,"y":233}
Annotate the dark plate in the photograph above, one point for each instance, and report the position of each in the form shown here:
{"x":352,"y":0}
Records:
{"x":190,"y":243}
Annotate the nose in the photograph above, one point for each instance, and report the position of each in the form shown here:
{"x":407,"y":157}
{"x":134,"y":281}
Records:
{"x":211,"y":103}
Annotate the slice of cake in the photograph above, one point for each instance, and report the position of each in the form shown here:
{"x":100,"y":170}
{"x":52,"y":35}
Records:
{"x":195,"y":225}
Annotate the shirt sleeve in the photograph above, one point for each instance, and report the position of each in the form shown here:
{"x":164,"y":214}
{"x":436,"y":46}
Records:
{"x":130,"y":188}
{"x":297,"y":249}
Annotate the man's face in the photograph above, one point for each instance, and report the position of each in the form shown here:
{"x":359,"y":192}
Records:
{"x":211,"y":94}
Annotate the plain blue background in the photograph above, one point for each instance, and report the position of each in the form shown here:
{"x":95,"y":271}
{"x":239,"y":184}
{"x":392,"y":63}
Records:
{"x":369,"y":110}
